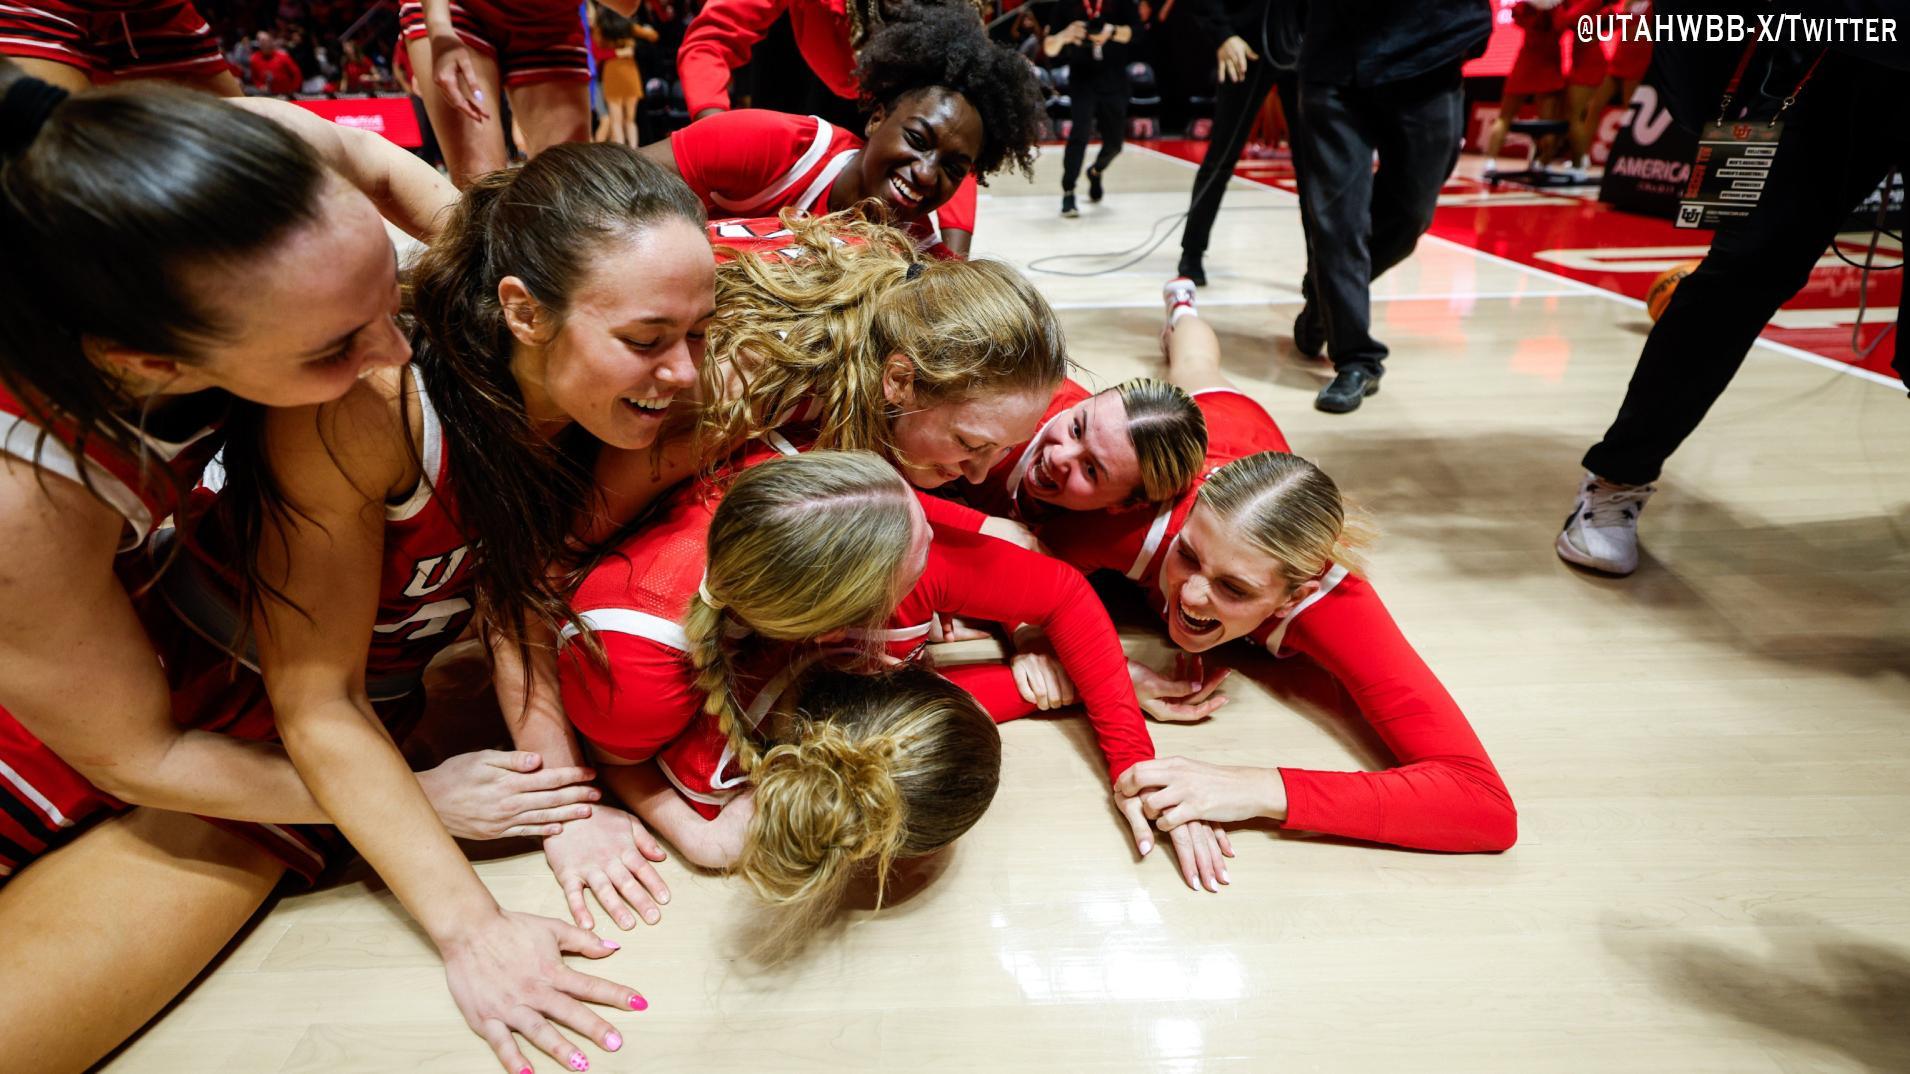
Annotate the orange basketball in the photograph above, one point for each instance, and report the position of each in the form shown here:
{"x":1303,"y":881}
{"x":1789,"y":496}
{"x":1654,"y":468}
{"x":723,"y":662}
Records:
{"x":1659,"y":293}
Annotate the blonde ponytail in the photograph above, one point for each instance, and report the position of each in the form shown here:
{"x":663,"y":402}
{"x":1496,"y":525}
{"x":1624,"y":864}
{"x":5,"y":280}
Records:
{"x":800,"y":547}
{"x":825,"y":804}
{"x":875,"y":767}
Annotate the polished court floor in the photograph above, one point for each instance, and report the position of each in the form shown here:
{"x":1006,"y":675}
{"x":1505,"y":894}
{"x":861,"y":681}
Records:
{"x":1709,"y":758}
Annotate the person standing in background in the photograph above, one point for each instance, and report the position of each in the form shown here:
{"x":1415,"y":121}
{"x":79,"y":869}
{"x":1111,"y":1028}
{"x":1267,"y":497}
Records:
{"x":272,"y":69}
{"x":1241,"y":28}
{"x":617,"y":37}
{"x":1091,"y":37}
{"x":1378,"y":77}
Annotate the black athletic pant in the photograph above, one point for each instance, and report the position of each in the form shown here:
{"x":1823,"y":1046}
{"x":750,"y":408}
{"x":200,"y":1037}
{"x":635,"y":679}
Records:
{"x":1235,"y":106}
{"x":1097,"y":104}
{"x":1839,"y":141}
{"x":1361,"y":222}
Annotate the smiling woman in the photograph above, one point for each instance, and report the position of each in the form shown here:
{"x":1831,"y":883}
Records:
{"x":138,"y":316}
{"x":940,"y":365}
{"x":943,"y":102}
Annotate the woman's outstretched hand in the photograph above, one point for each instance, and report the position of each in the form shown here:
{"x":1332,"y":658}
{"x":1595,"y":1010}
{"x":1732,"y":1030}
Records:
{"x":508,"y":979}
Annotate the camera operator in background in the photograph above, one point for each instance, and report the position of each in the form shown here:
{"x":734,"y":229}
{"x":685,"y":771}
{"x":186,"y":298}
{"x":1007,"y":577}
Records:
{"x":1092,"y":37}
{"x":1846,"y":129}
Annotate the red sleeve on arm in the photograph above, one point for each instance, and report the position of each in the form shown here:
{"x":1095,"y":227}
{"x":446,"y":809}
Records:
{"x":983,"y":578}
{"x":1445,"y":794}
{"x":634,"y":706}
{"x":736,"y":154}
{"x":947,"y":514}
{"x":718,"y":41}
{"x":958,"y":213}
{"x":992,"y":684}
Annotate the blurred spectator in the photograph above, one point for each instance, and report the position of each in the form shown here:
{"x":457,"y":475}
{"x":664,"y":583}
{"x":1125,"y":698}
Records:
{"x":1091,"y":37}
{"x":272,"y":69}
{"x":359,"y":74}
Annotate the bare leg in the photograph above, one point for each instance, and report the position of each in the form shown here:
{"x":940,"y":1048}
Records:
{"x":470,"y":148}
{"x":104,"y":932}
{"x":1193,"y":354}
{"x":70,"y":79}
{"x":627,"y":115}
{"x":1578,"y":106}
{"x":1509,"y":108}
{"x":551,"y":113}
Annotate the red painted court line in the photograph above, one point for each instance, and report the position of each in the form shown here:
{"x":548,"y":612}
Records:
{"x":1582,"y":239}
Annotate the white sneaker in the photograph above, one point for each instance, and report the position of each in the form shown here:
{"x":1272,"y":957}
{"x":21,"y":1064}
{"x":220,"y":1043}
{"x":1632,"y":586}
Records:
{"x":1177,"y":295}
{"x":1602,"y":530}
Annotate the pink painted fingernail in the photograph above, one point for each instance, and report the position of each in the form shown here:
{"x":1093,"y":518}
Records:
{"x":1145,"y":847}
{"x":578,"y":1062}
{"x":612,"y":1041}
{"x":613,"y":945}
{"x":638,"y":1003}
{"x":527,"y":1070}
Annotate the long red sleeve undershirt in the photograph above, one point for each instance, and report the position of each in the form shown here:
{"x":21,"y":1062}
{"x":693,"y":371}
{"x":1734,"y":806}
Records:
{"x":1445,"y":794}
{"x":725,"y":32}
{"x":979,"y":577}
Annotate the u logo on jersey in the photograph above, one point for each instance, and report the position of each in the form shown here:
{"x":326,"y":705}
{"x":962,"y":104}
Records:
{"x":431,"y":575}
{"x":427,"y":577}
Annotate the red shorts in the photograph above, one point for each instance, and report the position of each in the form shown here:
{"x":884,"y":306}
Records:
{"x":128,"y":39}
{"x":531,"y":40}
{"x":45,"y":803}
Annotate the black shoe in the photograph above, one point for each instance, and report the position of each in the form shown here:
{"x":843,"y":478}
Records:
{"x":1309,"y":333}
{"x":1067,"y":206}
{"x":1190,"y":268}
{"x":1094,"y":185}
{"x":1349,"y":389}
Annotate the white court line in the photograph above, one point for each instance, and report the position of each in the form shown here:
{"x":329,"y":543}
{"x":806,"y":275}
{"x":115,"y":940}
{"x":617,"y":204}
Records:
{"x":1782,"y":348}
{"x":1443,"y":296}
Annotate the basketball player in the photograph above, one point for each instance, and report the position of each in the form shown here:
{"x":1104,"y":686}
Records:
{"x":828,"y":34}
{"x":944,"y":101}
{"x":76,"y":45}
{"x":813,"y":548}
{"x":1259,"y":548}
{"x":466,"y":51}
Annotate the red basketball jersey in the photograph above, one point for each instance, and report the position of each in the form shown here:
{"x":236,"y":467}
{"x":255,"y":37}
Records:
{"x":142,"y":484}
{"x":754,"y":163}
{"x":424,"y":588}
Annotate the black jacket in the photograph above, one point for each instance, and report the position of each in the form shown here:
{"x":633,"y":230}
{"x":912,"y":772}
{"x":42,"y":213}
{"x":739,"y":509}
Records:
{"x":1370,"y":42}
{"x":1270,"y":27}
{"x":1111,"y":69}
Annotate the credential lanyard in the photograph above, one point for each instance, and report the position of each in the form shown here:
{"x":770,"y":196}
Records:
{"x":1737,"y":79}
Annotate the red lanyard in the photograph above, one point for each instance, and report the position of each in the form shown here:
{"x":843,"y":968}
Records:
{"x":1737,"y":76}
{"x":1093,"y":8}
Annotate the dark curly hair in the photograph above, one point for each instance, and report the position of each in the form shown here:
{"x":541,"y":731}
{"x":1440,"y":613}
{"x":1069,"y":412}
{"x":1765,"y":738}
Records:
{"x":945,"y":46}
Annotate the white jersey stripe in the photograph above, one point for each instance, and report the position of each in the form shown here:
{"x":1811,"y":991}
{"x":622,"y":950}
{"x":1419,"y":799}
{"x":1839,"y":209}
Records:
{"x":21,"y":439}
{"x":33,"y":795}
{"x":1328,"y":580}
{"x":828,"y":175}
{"x":696,"y":796}
{"x":808,"y":160}
{"x":1152,"y":544}
{"x":633,"y":622}
{"x":907,"y":633}
{"x":1027,"y":459}
{"x":431,"y":461}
